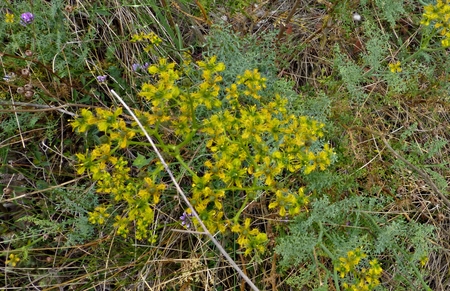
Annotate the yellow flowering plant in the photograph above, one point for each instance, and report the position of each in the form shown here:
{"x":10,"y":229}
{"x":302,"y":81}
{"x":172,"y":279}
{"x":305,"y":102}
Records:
{"x":151,"y":40}
{"x":395,"y":67}
{"x":364,"y":279}
{"x":251,"y":143}
{"x":438,"y":16}
{"x":9,"y":18}
{"x":12,"y":260}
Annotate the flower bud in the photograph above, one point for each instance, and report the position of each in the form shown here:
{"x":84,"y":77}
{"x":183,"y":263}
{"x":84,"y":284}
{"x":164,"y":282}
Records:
{"x":28,"y":87}
{"x":25,"y":72}
{"x":7,"y":191}
{"x":68,"y":8}
{"x":29,"y":94}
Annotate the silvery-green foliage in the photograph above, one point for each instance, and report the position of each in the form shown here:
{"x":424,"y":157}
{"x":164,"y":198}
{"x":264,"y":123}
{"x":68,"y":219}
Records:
{"x":377,"y":45}
{"x":331,"y":229}
{"x":391,"y":10}
{"x":352,"y":75}
{"x":240,"y":53}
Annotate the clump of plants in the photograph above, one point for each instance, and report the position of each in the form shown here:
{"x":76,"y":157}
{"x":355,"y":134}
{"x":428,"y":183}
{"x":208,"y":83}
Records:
{"x":364,"y":278}
{"x":34,"y":54}
{"x":305,"y":191}
{"x":250,"y":144}
{"x":347,"y":244}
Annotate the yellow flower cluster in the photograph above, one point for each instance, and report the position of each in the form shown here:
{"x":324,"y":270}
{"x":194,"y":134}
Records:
{"x":439,"y":15}
{"x":13,"y":260}
{"x":106,"y":121}
{"x":176,"y":108}
{"x":99,"y":216}
{"x":111,"y":172}
{"x":365,"y":279}
{"x":251,"y":147}
{"x":153,"y":39}
{"x":254,"y":145}
{"x":9,"y":18}
{"x":251,"y":142}
{"x":250,"y":239}
{"x":395,"y":67}
{"x":253,"y":81}
{"x":289,"y":203}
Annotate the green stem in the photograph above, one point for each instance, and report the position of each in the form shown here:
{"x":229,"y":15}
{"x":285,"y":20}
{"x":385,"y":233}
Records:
{"x":416,"y":271}
{"x":424,"y":42}
{"x":336,"y":280}
{"x":194,"y":130}
{"x":181,"y":161}
{"x":161,"y":145}
{"x":243,"y":205}
{"x":188,"y":139}
{"x":141,"y":143}
{"x":328,"y":252}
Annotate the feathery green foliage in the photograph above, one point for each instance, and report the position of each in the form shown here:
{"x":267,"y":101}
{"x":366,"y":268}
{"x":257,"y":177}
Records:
{"x":332,"y":229}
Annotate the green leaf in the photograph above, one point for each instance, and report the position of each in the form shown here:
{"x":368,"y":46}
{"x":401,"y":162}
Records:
{"x":141,"y":161}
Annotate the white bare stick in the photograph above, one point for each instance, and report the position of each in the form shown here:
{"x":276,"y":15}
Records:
{"x":180,"y":191}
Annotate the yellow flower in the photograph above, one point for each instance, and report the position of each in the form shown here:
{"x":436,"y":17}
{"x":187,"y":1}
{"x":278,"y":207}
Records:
{"x":249,"y":239}
{"x":137,"y":37}
{"x":395,"y":67}
{"x":13,"y":260}
{"x":9,"y":18}
{"x":121,"y":225}
{"x":211,"y":65}
{"x":349,"y":263}
{"x":423,"y":261}
{"x":286,"y":202}
{"x":123,"y":135}
{"x":83,"y":121}
{"x":99,"y":215}
{"x":375,"y":267}
{"x":162,"y":66}
{"x":107,"y":119}
{"x":152,"y":37}
{"x":438,"y":15}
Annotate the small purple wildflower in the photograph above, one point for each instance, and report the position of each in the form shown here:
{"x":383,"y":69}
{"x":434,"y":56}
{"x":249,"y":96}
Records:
{"x":135,"y":67}
{"x":185,"y":220}
{"x":145,"y":66}
{"x":26,"y":18}
{"x":102,"y":79}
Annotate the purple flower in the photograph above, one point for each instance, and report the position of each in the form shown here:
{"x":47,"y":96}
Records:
{"x":102,"y":79}
{"x":145,"y":66}
{"x":26,"y":18}
{"x":185,"y":220}
{"x":135,"y":67}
